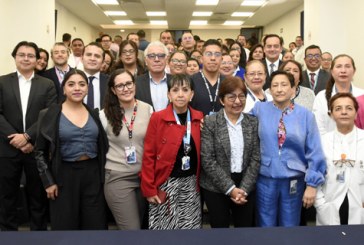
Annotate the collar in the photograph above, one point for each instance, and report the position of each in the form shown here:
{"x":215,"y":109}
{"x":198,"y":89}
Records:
{"x":96,"y":75}
{"x":162,"y":80}
{"x":241,"y":117}
{"x":21,"y":76}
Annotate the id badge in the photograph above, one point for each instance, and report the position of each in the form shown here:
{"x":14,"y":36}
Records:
{"x":340,"y":177}
{"x":185,"y":163}
{"x":293,"y":187}
{"x":130,"y":154}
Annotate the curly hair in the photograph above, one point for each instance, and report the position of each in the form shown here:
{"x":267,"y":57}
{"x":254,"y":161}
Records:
{"x":113,"y":111}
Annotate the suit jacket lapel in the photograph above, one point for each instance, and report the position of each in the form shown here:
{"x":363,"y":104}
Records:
{"x":16,"y":89}
{"x":247,"y":137}
{"x":33,"y":87}
{"x":223,"y":133}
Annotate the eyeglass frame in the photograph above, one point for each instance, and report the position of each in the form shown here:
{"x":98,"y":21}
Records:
{"x":120,"y":87}
{"x":232,"y":97}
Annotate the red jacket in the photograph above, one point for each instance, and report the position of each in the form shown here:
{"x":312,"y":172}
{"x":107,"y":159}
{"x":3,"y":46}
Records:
{"x":162,"y":141}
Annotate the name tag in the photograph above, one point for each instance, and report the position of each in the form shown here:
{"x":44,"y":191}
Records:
{"x":130,"y":154}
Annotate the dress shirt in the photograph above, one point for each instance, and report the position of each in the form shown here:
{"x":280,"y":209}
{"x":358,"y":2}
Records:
{"x":24,"y":89}
{"x":158,"y":91}
{"x":96,"y":84}
{"x":276,"y":65}
{"x":316,"y":76}
{"x":236,"y":144}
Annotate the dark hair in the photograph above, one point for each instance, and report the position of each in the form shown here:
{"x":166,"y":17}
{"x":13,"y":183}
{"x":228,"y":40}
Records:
{"x":77,"y":39}
{"x":180,"y":80}
{"x":242,"y":61}
{"x":41,"y":50}
{"x":283,"y":65}
{"x":229,"y":84}
{"x":119,"y":64}
{"x":141,"y":33}
{"x":113,"y":111}
{"x":26,"y":44}
{"x":342,"y":95}
{"x":211,"y":42}
{"x":229,"y":42}
{"x":312,"y":47}
{"x":253,"y":49}
{"x":284,"y":73}
{"x":331,"y":82}
{"x":270,"y":36}
{"x":131,"y":33}
{"x":108,"y":52}
{"x":193,"y":59}
{"x":66,"y":37}
{"x":177,"y":52}
{"x":105,"y":35}
{"x":72,"y":72}
{"x":96,"y":45}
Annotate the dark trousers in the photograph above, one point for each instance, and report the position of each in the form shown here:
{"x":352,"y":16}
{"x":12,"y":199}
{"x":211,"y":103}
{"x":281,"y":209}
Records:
{"x":10,"y":174}
{"x":221,"y":207}
{"x":80,"y":204}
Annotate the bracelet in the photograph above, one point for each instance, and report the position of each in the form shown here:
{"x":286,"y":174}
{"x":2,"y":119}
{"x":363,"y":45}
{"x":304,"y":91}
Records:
{"x":27,"y":137}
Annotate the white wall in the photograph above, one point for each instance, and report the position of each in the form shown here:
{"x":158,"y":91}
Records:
{"x":287,"y":26}
{"x":337,"y":28}
{"x":67,"y":22}
{"x":24,"y":20}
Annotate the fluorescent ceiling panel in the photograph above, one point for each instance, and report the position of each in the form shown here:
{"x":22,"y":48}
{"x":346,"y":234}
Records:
{"x":106,"y":2}
{"x":242,"y":14}
{"x":253,"y":2}
{"x":207,"y":2}
{"x":123,"y":22}
{"x":115,"y":13}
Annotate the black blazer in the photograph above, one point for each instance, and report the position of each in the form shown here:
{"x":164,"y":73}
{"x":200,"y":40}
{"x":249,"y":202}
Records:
{"x":323,"y":78}
{"x":52,"y":75}
{"x":267,"y":80}
{"x":143,"y":88}
{"x":47,"y":150}
{"x":42,"y":94}
{"x":104,"y":79}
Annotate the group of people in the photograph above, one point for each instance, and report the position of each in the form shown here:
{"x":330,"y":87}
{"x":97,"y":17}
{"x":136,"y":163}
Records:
{"x":254,"y":138}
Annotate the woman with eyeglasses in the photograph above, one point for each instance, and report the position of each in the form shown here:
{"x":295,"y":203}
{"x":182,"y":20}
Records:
{"x":341,"y":81}
{"x":340,"y":200}
{"x":171,"y":161}
{"x":128,"y":58}
{"x":177,"y":63}
{"x":292,"y":160}
{"x":70,"y":151}
{"x":125,"y":121}
{"x":254,"y":80}
{"x":227,"y":67}
{"x":230,"y":159}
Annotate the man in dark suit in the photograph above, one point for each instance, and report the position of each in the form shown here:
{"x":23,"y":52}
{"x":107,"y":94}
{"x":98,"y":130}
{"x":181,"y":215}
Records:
{"x":314,"y":77}
{"x":22,"y":95}
{"x":151,"y":87}
{"x":92,"y":58}
{"x":272,"y":49}
{"x":60,"y":56}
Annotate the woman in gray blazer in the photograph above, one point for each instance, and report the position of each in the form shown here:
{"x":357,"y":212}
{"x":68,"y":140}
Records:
{"x":230,"y":158}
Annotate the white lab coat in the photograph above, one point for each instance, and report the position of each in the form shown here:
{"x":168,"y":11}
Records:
{"x":331,"y":194}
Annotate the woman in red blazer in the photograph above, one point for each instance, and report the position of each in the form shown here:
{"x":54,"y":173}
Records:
{"x":171,"y":161}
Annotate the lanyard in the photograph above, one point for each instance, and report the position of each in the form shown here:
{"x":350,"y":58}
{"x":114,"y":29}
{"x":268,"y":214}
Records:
{"x":253,"y":97}
{"x":187,"y":136}
{"x":130,"y":127}
{"x":212,"y":100}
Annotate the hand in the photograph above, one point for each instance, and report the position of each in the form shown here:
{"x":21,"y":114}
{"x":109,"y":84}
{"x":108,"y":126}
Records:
{"x":17,"y":140}
{"x":238,"y":196}
{"x":201,"y":124}
{"x":309,"y":196}
{"x":52,"y":192}
{"x":154,"y":199}
{"x":28,"y":148}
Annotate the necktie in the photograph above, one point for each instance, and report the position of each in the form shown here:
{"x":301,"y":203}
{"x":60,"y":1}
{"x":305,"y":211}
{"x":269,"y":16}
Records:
{"x":271,"y":69}
{"x":90,"y":95}
{"x":312,"y":80}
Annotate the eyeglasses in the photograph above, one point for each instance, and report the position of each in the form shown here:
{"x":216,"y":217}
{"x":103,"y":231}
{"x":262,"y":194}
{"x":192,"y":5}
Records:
{"x":232,"y":97}
{"x":210,"y":54}
{"x":130,"y":51}
{"x":22,"y":55}
{"x":227,"y":63}
{"x":177,"y":61}
{"x":187,"y":38}
{"x":105,"y":41}
{"x":253,"y":74}
{"x":197,"y":57}
{"x":327,"y":60}
{"x":121,"y":86}
{"x":311,"y":56}
{"x":153,"y":56}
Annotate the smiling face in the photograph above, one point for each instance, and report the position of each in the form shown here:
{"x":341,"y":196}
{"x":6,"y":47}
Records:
{"x":128,"y":55}
{"x":42,"y":62}
{"x":258,"y":54}
{"x":281,"y":91}
{"x":192,"y":67}
{"x":25,"y":59}
{"x":180,"y":95}
{"x":235,"y":56}
{"x":124,"y":88}
{"x":272,"y":48}
{"x":75,"y":88}
{"x":313,"y":59}
{"x":60,"y":55}
{"x":292,"y":68}
{"x":255,"y":76}
{"x":227,"y":66}
{"x":234,"y":102}
{"x":178,"y":63}
{"x":92,"y":59}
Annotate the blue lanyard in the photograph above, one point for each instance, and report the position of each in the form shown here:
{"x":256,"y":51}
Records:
{"x":187,"y":136}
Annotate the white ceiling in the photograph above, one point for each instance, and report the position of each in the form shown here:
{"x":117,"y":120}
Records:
{"x":179,"y":13}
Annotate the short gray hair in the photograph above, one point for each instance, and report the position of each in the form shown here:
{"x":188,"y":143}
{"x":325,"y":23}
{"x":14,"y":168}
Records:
{"x":155,"y":44}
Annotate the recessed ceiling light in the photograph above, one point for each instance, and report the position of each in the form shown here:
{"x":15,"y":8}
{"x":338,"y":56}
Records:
{"x":156,"y":13}
{"x":207,"y":2}
{"x":242,"y":14}
{"x":123,"y":22}
{"x":253,"y":2}
{"x":198,"y":22}
{"x":115,"y":13}
{"x":106,"y":2}
{"x":159,"y":22}
{"x":201,"y":13}
{"x":233,"y":23}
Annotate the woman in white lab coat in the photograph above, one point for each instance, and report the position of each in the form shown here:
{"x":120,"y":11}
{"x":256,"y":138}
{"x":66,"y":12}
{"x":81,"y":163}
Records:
{"x":340,"y":199}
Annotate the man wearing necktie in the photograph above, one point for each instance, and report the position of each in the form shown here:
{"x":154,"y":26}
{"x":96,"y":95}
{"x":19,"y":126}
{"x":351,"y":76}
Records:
{"x":272,"y":50}
{"x":92,"y":58}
